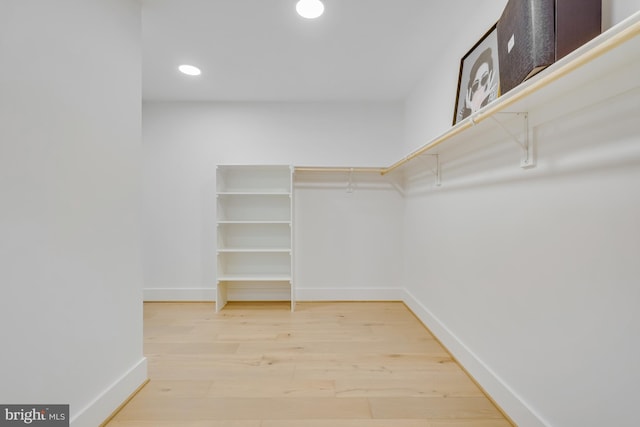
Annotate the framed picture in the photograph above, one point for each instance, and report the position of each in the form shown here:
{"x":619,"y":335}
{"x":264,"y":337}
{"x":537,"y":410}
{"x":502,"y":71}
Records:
{"x":479,"y":78}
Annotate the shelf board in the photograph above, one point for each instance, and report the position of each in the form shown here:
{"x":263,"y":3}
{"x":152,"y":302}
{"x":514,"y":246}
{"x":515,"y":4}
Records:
{"x":254,"y":250}
{"x":254,"y":278}
{"x":225,"y":221}
{"x":253,"y":168}
{"x":256,"y":192}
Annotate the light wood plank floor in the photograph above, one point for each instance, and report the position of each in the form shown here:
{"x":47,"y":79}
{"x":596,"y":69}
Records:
{"x":364,"y":364}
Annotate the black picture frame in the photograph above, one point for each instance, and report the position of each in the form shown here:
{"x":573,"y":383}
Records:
{"x":482,"y":61}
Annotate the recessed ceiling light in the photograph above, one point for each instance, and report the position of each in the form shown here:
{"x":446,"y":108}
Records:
{"x":310,"y":9}
{"x":190,"y":70}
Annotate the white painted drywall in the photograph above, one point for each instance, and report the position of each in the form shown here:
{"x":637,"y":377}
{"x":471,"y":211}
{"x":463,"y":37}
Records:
{"x":71,"y":303}
{"x":182,"y":144}
{"x":531,"y":277}
{"x":348,"y":237}
{"x":614,"y":11}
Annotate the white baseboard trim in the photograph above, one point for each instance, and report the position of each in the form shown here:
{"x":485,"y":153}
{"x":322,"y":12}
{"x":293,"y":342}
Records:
{"x":500,"y":392}
{"x":96,"y":412}
{"x":276,"y":294}
{"x":349,"y":294}
{"x":179,"y":294}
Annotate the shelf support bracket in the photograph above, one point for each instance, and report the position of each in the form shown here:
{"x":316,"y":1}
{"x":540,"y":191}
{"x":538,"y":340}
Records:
{"x":438,"y":170}
{"x":350,"y":181}
{"x":527,"y":159}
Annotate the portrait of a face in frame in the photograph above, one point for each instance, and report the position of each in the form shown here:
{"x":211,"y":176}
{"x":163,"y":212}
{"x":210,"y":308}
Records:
{"x":478,"y":83}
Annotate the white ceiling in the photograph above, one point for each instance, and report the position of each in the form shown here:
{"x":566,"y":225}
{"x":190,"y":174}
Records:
{"x":261,"y":50}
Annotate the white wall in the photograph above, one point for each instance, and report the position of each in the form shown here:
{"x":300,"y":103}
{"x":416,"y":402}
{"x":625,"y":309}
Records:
{"x":183,"y":142}
{"x":531,"y":277}
{"x":71,"y":305}
{"x":348,"y":237}
{"x":614,"y":11}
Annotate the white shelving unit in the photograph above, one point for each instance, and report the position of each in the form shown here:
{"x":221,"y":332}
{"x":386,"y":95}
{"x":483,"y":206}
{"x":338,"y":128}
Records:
{"x":255,"y":233}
